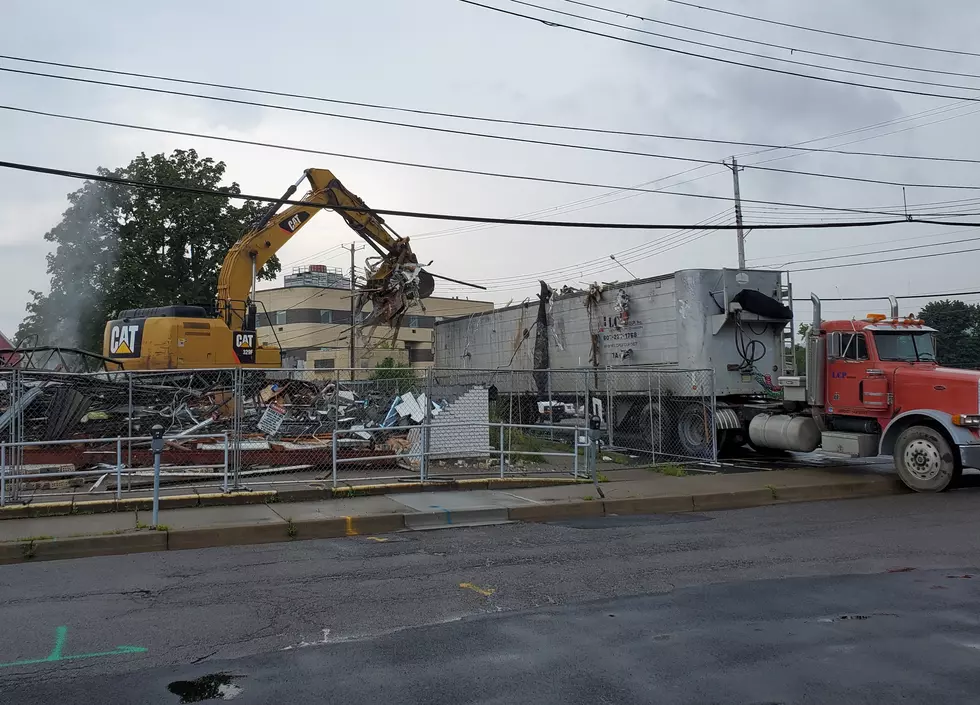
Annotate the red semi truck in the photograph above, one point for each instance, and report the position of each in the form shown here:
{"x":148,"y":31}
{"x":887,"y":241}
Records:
{"x":874,"y":386}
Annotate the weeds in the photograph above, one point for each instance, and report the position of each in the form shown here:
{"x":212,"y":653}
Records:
{"x":772,"y":489}
{"x":670,"y":469}
{"x":291,"y":530}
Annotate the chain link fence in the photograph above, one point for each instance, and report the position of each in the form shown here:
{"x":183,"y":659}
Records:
{"x":353,"y":426}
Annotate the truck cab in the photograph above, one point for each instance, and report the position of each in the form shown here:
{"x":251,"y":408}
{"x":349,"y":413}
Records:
{"x":875,"y":387}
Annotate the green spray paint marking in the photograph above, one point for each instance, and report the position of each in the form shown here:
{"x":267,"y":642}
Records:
{"x":60,"y":637}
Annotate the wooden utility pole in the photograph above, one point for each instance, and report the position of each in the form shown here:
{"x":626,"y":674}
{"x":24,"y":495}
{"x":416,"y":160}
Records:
{"x":738,"y":212}
{"x":351,"y":332}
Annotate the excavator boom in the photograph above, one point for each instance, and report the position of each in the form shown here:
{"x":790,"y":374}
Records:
{"x":165,"y":337}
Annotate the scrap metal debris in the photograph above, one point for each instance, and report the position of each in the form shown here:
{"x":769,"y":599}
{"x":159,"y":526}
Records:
{"x":286,"y":422}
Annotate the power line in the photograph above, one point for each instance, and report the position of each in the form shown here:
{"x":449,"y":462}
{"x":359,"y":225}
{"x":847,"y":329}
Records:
{"x":778,"y":262}
{"x":416,"y":111}
{"x":718,"y":59}
{"x":783,"y":47}
{"x":130,"y":183}
{"x":745,"y":53}
{"x":521,"y":177}
{"x":825,"y":31}
{"x":577,"y":267}
{"x":944,"y":295}
{"x":566,"y":145}
{"x":893,"y":259}
{"x":890,"y":249}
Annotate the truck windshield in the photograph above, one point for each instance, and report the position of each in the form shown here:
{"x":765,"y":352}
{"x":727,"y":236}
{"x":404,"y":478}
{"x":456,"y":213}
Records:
{"x":907,"y":347}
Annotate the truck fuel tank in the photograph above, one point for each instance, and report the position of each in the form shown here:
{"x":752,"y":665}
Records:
{"x":797,"y":433}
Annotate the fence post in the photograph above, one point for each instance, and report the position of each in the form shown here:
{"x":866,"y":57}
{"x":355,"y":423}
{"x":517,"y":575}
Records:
{"x":118,"y":468}
{"x":426,"y":439}
{"x":575,"y":451}
{"x":653,"y":436}
{"x":551,"y":408}
{"x":714,"y":422}
{"x":333,"y":450}
{"x":224,"y":485}
{"x":238,"y":395}
{"x":660,"y":405}
{"x":502,"y":454}
{"x":129,"y":425}
{"x":156,"y":445}
{"x":3,"y":474}
{"x":610,"y":416}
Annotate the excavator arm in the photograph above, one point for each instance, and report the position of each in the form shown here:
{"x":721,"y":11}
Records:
{"x":236,"y":283}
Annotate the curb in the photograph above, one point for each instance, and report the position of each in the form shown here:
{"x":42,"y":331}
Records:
{"x":337,"y":527}
{"x":306,"y":494}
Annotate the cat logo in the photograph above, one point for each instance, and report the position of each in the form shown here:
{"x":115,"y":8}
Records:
{"x":244,"y":346}
{"x":125,"y":338}
{"x":295,"y":222}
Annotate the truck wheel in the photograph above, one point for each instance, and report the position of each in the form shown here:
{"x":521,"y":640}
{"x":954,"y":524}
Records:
{"x":924,"y":459}
{"x":694,"y":431}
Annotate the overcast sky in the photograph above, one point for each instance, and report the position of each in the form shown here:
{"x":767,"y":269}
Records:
{"x":448,"y":56}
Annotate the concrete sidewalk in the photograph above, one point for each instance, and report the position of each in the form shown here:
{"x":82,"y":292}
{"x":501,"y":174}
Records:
{"x":55,"y":537}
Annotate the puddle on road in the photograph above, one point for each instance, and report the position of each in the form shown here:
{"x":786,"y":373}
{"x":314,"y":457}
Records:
{"x":214,"y":686}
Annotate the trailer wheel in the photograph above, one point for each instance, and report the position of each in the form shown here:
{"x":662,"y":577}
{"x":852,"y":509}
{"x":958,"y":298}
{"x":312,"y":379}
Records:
{"x":924,"y":459}
{"x":694,"y":431}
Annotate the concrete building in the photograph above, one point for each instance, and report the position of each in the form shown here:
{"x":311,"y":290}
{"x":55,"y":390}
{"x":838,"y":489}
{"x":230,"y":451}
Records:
{"x":309,"y":319}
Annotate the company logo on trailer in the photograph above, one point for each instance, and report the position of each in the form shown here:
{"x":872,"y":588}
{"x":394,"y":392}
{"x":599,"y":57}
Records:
{"x":125,"y":338}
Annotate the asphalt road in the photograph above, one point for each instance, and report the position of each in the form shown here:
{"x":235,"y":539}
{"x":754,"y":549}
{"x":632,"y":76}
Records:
{"x":843,"y":602}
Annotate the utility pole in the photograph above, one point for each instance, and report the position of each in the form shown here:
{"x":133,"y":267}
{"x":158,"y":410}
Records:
{"x":738,"y":212}
{"x":351,"y":337}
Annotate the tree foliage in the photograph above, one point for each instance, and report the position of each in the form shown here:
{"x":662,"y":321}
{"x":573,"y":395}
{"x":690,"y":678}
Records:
{"x":402,"y":377}
{"x":958,"y":326}
{"x":120,"y":247}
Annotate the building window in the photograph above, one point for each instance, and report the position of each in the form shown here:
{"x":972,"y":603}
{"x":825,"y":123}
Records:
{"x":413,"y":321}
{"x":280,"y":318}
{"x":326,"y":316}
{"x":324,"y":364}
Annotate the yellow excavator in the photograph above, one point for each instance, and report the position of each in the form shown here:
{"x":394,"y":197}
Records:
{"x":189,"y":337}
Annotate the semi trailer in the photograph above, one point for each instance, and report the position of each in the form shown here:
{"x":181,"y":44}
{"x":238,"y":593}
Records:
{"x":870,"y":387}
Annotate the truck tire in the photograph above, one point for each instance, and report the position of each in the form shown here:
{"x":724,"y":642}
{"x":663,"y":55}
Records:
{"x":924,"y":459}
{"x":694,"y":432}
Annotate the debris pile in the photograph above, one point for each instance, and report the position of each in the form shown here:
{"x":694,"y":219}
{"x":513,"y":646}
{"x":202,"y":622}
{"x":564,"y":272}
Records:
{"x":287,"y":423}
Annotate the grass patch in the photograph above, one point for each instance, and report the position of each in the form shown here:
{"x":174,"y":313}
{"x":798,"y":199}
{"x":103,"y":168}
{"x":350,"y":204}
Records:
{"x":291,"y":530}
{"x":669,"y":469}
{"x":516,"y":441}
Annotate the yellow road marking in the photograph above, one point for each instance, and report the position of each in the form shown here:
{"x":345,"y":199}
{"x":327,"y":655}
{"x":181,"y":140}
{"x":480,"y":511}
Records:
{"x":350,"y":527}
{"x":486,"y":592}
{"x":376,"y":538}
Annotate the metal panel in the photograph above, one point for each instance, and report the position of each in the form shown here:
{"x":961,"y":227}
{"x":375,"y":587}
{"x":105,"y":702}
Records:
{"x":679,"y":320}
{"x":858,"y":445}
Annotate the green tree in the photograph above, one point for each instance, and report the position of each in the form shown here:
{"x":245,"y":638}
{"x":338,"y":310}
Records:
{"x":402,"y":377}
{"x":958,"y":331}
{"x":800,"y":349}
{"x":120,"y":247}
